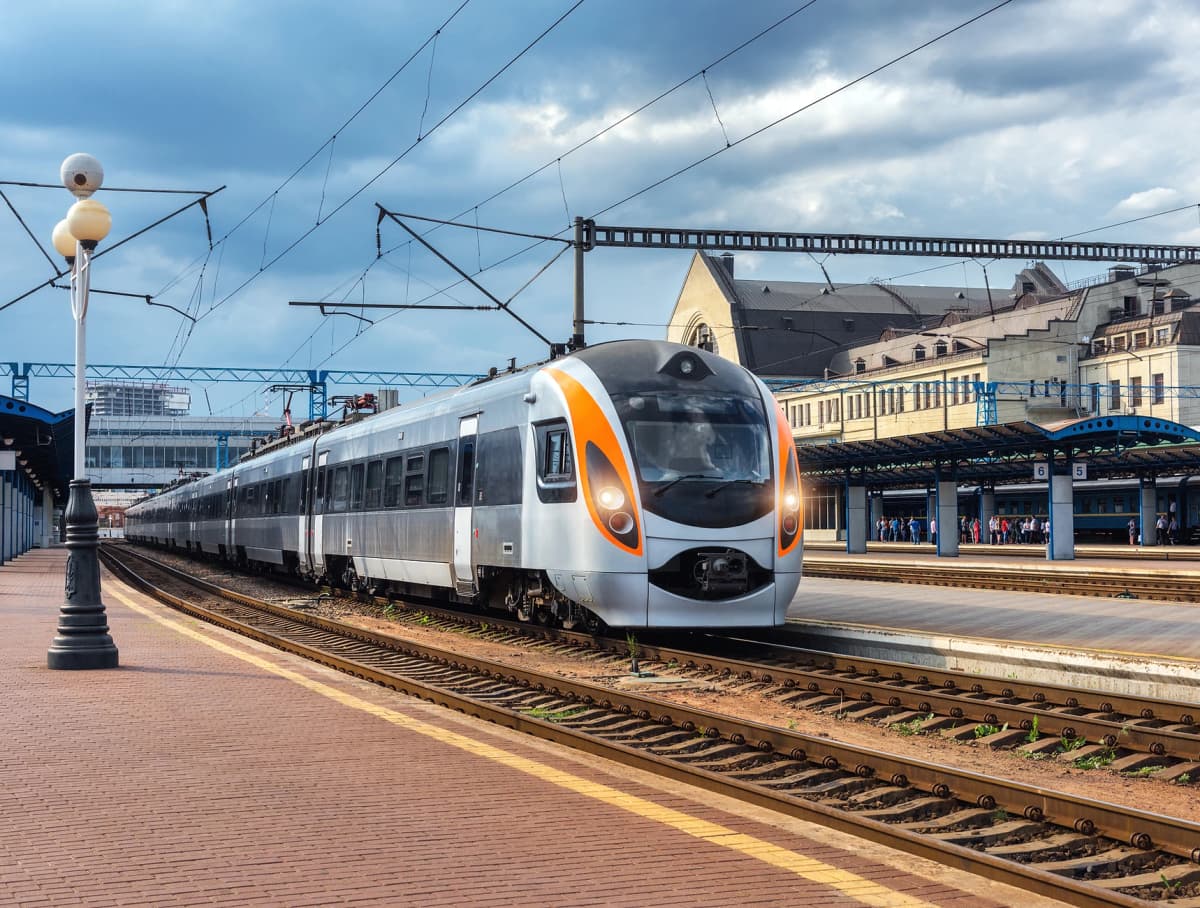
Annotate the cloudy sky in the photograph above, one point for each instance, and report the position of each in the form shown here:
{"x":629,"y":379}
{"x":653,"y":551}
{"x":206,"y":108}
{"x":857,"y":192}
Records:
{"x":1044,"y":118}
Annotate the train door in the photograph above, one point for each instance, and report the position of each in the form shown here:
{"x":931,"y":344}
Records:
{"x":464,"y":497}
{"x":316,"y":548}
{"x":230,"y":514}
{"x":305,"y":510}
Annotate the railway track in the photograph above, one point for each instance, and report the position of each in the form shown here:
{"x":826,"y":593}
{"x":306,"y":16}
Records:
{"x":1169,"y":584}
{"x":1124,"y":733}
{"x":1082,"y":850}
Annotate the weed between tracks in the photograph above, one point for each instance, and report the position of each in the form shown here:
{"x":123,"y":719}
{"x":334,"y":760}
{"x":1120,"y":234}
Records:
{"x":553,"y":715}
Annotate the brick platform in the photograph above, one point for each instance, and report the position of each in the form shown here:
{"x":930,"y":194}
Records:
{"x":209,"y":770}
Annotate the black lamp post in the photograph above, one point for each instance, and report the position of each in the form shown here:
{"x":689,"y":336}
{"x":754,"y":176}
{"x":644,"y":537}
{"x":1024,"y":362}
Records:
{"x":83,"y":641}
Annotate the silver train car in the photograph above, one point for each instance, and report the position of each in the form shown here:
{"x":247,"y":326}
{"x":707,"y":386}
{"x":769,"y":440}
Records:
{"x":632,"y":483}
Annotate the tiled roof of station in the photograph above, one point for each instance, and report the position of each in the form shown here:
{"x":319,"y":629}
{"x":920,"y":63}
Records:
{"x":1112,"y":446}
{"x":45,"y":440}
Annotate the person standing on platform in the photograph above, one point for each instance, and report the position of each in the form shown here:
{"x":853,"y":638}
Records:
{"x":1132,"y":531}
{"x":933,"y":530}
{"x":1173,"y":531}
{"x":1004,"y":531}
{"x":914,"y":530}
{"x":1161,"y":529}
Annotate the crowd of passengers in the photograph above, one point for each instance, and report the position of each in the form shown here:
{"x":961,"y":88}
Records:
{"x":1001,"y":530}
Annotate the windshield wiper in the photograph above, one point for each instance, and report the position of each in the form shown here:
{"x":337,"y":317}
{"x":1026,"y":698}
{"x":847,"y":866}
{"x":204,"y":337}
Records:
{"x":730,"y":482}
{"x":658,"y":493}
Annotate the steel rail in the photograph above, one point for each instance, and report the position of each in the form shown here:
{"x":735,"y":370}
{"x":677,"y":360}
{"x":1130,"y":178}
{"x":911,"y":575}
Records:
{"x":864,"y":684}
{"x":1141,"y":829}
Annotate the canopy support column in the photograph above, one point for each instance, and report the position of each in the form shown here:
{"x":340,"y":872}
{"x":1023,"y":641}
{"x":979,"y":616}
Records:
{"x":856,"y":516}
{"x":946,"y":497}
{"x":1148,"y":509}
{"x":1062,"y":514}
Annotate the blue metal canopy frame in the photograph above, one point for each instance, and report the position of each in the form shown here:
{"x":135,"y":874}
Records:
{"x":1112,"y":446}
{"x":45,"y":440}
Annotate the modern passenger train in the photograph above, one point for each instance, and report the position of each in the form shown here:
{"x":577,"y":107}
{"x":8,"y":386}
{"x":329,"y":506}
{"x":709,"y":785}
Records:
{"x":634,"y":483}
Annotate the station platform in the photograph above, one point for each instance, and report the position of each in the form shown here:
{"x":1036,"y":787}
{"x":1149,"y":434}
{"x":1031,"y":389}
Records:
{"x":1140,"y":646}
{"x":211,"y":770}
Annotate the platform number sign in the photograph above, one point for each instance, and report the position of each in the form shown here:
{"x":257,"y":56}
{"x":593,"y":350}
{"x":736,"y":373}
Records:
{"x":1041,"y":470}
{"x":1079,"y":471}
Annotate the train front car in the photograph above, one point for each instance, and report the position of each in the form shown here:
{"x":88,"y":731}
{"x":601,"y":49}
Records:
{"x":688,"y":511}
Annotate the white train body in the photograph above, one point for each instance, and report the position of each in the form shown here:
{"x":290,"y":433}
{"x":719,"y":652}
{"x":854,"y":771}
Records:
{"x":641,"y":483}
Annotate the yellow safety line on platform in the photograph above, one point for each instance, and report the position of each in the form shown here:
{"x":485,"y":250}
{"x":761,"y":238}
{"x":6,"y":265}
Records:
{"x":863,"y":890}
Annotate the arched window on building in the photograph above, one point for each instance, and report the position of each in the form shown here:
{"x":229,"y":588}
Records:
{"x":702,"y":337}
{"x":918,"y":353}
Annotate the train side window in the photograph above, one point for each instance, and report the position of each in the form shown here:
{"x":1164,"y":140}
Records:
{"x":414,"y":480}
{"x":374,"y":484}
{"x":356,"y":486}
{"x":321,"y":502}
{"x":466,"y":473}
{"x":439,"y":476}
{"x":555,"y":462}
{"x":393,"y":482}
{"x":251,"y":500}
{"x":341,"y":488}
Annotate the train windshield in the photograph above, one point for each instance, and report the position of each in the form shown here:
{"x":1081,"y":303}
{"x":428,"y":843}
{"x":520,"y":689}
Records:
{"x":712,"y":443}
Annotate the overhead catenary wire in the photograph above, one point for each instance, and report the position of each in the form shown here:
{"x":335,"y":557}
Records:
{"x":752,"y":134}
{"x":361,"y":189}
{"x":557,"y":160}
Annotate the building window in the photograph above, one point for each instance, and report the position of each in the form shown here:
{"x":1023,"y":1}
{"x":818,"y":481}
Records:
{"x":1157,"y":306}
{"x":1130,"y":306}
{"x":1162,"y":335}
{"x":1114,"y":395}
{"x":1156,"y":394}
{"x":939,"y":349}
{"x":1135,"y":391}
{"x":1099,"y":347}
{"x":821,"y":412}
{"x":1118,"y":342}
{"x":918,"y":353}
{"x":860,"y":366}
{"x":1096,"y":399}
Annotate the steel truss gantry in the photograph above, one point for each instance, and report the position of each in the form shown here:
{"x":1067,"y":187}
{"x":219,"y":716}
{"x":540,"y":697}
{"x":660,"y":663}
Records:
{"x":595,"y":235}
{"x":318,"y":380}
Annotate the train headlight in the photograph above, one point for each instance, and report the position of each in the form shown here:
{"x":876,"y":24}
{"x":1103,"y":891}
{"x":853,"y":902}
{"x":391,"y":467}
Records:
{"x":610,"y":498}
{"x":791,"y":501}
{"x":620,"y":523}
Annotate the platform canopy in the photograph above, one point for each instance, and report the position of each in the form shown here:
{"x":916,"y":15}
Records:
{"x":45,"y":441}
{"x":1109,"y":446}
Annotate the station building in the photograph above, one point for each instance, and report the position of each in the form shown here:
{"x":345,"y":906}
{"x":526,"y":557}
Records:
{"x":877,"y":361}
{"x":141,"y":436}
